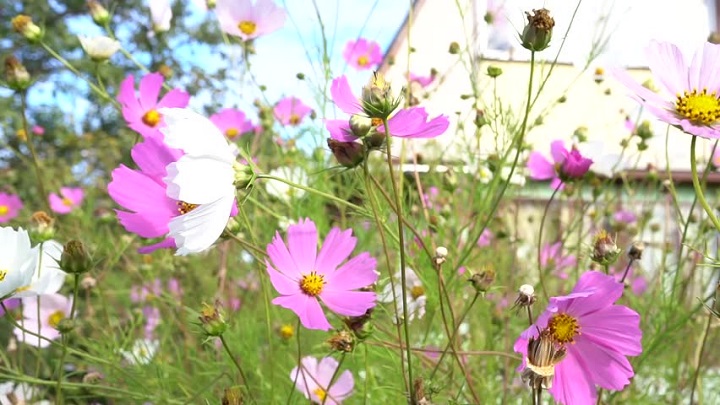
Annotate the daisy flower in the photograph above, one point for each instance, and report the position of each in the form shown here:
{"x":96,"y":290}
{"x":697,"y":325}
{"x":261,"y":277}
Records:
{"x":291,"y":111}
{"x":69,"y":199}
{"x":312,"y":378}
{"x":304,"y":277}
{"x":567,"y":165}
{"x":406,"y":123}
{"x":362,"y":54}
{"x":596,"y":335}
{"x":45,"y":311}
{"x":202,"y":179}
{"x":141,"y":112}
{"x":17,"y":261}
{"x":10,"y":206}
{"x":232,"y":122}
{"x":416,"y":295}
{"x":691,"y":96}
{"x":246,"y":20}
{"x":551,"y":257}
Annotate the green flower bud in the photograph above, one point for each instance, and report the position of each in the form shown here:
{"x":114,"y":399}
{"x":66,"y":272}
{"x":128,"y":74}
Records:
{"x":348,"y":154}
{"x":212,"y":319}
{"x":494,"y":71}
{"x":16,"y":75}
{"x":75,"y":259}
{"x":538,"y":32}
{"x":98,"y":13}
{"x":24,"y":25}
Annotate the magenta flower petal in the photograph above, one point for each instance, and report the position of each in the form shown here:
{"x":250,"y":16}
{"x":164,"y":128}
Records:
{"x":412,"y":123}
{"x":356,"y":273}
{"x":343,"y":96}
{"x":340,"y":130}
{"x":291,"y":111}
{"x":558,"y":151}
{"x":167,"y":243}
{"x":150,"y":86}
{"x":10,"y":206}
{"x":350,"y":303}
{"x":281,"y":257}
{"x":307,"y":309}
{"x":282,"y":283}
{"x":610,"y":369}
{"x":337,"y":247}
{"x":302,"y":244}
{"x":540,"y":168}
{"x":174,"y":98}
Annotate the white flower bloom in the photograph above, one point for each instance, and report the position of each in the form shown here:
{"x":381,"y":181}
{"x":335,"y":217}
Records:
{"x":21,"y":393}
{"x":161,"y":14}
{"x":17,"y":261}
{"x":416,"y":298}
{"x":99,"y":48}
{"x":203,"y":178}
{"x":284,"y":191}
{"x":47,"y":277}
{"x":142,"y":352}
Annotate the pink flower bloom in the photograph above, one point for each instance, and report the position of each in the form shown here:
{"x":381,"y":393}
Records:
{"x":69,"y":199}
{"x":423,"y":81}
{"x":141,"y":113}
{"x":38,"y":130}
{"x":246,"y":20}
{"x":486,"y":238}
{"x":10,"y":304}
{"x":10,"y":206}
{"x":551,"y":257}
{"x":691,"y":100}
{"x":597,"y":335}
{"x":567,"y":165}
{"x":52,"y":309}
{"x":406,"y":123}
{"x":362,"y":54}
{"x":291,"y":111}
{"x":312,"y":378}
{"x":625,"y":217}
{"x":232,"y":122}
{"x":302,"y":275}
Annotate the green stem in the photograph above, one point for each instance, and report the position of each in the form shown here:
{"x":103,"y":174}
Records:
{"x":31,"y":148}
{"x":58,"y":388}
{"x":238,"y":367}
{"x":312,"y":190}
{"x":542,"y":227}
{"x":698,"y":189}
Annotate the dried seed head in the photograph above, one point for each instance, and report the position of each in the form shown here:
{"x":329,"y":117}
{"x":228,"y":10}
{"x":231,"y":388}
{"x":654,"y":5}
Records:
{"x":605,"y":250}
{"x":537,"y":33}
{"x":543,"y":354}
{"x":526,"y":296}
{"x":342,"y":341}
{"x":636,"y":250}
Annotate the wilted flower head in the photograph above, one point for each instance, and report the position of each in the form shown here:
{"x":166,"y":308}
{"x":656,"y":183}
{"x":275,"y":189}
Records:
{"x":605,"y":251}
{"x":10,"y":206}
{"x":596,"y":334}
{"x":246,"y":20}
{"x":537,"y":33}
{"x":305,"y":277}
{"x":69,"y":199}
{"x":99,"y":48}
{"x":691,"y":99}
{"x":362,"y":54}
{"x":312,"y":378}
{"x":543,"y":354}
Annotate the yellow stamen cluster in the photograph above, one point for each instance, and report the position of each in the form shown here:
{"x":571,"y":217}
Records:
{"x":184,"y":208}
{"x":55,"y":318}
{"x":312,"y":284}
{"x":321,"y":394}
{"x":563,"y":328}
{"x":363,"y":61}
{"x":67,"y":202}
{"x":699,"y":106}
{"x":417,"y":292}
{"x":4,"y":209}
{"x":232,"y":132}
{"x":3,"y":273}
{"x":294,"y":119}
{"x":151,"y":118}
{"x":247,"y":27}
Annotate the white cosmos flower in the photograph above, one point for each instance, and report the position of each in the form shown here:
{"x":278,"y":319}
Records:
{"x":142,"y":351}
{"x":416,"y":298}
{"x":161,"y":14}
{"x":203,"y":176}
{"x":17,"y":261}
{"x":99,"y":48}
{"x":284,"y":191}
{"x":47,"y":277}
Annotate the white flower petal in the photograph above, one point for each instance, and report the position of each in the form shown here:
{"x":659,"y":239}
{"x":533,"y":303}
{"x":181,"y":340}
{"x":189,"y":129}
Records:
{"x":195,"y":135}
{"x":17,"y":260}
{"x":199,"y":229}
{"x":199,"y":180}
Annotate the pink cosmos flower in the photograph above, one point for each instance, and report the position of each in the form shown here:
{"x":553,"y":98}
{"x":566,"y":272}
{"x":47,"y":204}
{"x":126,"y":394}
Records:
{"x":291,"y":111}
{"x":51,"y":308}
{"x":691,"y":100}
{"x":551,"y":257}
{"x":10,"y":206}
{"x":302,"y":275}
{"x":232,"y":122}
{"x":625,"y":217}
{"x":486,"y":238}
{"x":423,"y":81}
{"x":312,"y":378}
{"x":362,"y":54}
{"x":141,"y":113}
{"x":246,"y":20}
{"x":69,"y":199}
{"x":567,"y":165}
{"x":597,"y":335}
{"x":38,"y":130}
{"x":406,"y":123}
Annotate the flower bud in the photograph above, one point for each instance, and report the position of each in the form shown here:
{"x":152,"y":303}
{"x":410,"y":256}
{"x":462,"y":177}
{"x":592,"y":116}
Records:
{"x":348,"y":154}
{"x":66,"y":325}
{"x":244,"y":175}
{"x":98,"y":13}
{"x":212,"y":320}
{"x":16,"y":75}
{"x":342,"y":341}
{"x":538,"y":32}
{"x":483,"y":280}
{"x":75,"y":259}
{"x":42,"y":227}
{"x":605,"y":251}
{"x":454,"y":48}
{"x":441,"y":252}
{"x":286,"y":331}
{"x":25,"y":26}
{"x":377,"y":99}
{"x":494,"y":71}
{"x":361,"y":125}
{"x":636,"y":250}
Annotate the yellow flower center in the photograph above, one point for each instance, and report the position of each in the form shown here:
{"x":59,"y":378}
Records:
{"x":67,"y":202}
{"x":563,"y":328}
{"x":4,"y":209}
{"x":287,"y":331}
{"x":312,"y":284}
{"x":363,"y":60}
{"x":184,"y":208}
{"x":247,"y":27}
{"x":55,"y":318}
{"x":321,"y":393}
{"x":701,"y":107}
{"x":151,"y":118}
{"x":376,"y":122}
{"x":417,"y":292}
{"x":231,"y":132}
{"x":294,"y":119}
{"x":599,"y":71}
{"x":3,"y":273}
{"x":21,"y":134}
